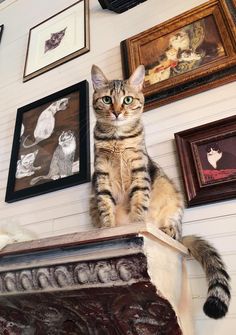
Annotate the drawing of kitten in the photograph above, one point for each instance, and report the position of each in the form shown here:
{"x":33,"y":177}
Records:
{"x":62,"y":159}
{"x":55,"y":40}
{"x":25,"y":165}
{"x":128,"y":186}
{"x":46,"y":122}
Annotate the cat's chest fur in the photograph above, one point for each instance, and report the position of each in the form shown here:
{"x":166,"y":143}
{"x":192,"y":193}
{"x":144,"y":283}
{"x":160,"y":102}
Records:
{"x":120,"y":173}
{"x":118,"y":156}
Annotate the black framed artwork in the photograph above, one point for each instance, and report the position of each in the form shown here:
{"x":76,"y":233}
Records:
{"x":50,"y":148}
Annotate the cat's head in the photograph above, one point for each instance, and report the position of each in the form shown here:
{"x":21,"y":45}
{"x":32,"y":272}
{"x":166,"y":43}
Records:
{"x":212,"y":148}
{"x":66,"y":137}
{"x":28,"y":159}
{"x":188,"y":55}
{"x":59,"y":105}
{"x":57,"y":37}
{"x":118,"y":102}
{"x":180,"y":40}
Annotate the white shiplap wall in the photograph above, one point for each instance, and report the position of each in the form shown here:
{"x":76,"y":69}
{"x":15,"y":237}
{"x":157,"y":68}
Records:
{"x":66,"y":211}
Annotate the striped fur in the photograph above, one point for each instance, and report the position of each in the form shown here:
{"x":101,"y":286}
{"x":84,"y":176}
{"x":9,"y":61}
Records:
{"x":129,"y":187}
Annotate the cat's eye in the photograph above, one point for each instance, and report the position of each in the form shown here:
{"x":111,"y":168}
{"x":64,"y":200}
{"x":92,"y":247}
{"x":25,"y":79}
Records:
{"x":107,"y":100}
{"x":128,"y":100}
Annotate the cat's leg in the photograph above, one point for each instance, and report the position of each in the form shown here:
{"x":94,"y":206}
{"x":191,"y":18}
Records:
{"x":27,"y":174}
{"x":65,"y":167}
{"x":139,"y":192}
{"x":93,"y":211}
{"x":105,"y":202}
{"x":166,"y":207}
{"x":173,"y":228}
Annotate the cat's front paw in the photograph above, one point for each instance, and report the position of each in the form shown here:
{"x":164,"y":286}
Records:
{"x":55,"y":177}
{"x":107,"y":221}
{"x":137,"y":217}
{"x":37,"y":168}
{"x":169,"y":230}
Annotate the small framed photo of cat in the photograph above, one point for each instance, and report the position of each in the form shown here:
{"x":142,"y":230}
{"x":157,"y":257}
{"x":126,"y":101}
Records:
{"x":207,"y":157}
{"x":50,"y":148}
{"x":188,"y":54}
{"x":57,"y":40}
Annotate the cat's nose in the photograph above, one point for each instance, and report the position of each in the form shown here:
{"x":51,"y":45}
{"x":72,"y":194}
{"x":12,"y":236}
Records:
{"x":116,"y":113}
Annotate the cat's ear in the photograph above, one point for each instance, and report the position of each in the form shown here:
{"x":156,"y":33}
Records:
{"x":137,"y":78}
{"x":98,"y":78}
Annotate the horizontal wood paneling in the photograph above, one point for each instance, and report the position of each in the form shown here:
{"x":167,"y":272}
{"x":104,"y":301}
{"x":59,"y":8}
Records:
{"x":213,"y":327}
{"x":66,"y":211}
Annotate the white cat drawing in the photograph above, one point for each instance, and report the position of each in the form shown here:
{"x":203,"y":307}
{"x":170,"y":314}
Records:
{"x":25,"y":165}
{"x":46,"y":122}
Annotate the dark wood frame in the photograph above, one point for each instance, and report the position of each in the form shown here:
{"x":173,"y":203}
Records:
{"x":186,"y":141}
{"x":82,"y":176}
{"x":205,"y":77}
{"x":67,"y":58}
{"x":1,"y":31}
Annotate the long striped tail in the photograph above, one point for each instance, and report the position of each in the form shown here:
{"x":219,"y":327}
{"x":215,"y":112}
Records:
{"x":218,"y":298}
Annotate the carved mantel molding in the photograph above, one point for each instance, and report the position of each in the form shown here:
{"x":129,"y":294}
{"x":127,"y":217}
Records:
{"x":103,"y":283}
{"x":78,"y":275}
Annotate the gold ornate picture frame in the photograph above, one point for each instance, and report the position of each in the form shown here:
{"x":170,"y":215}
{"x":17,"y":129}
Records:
{"x":188,"y":54}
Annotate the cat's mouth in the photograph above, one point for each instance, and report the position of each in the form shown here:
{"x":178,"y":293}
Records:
{"x":117,"y":117}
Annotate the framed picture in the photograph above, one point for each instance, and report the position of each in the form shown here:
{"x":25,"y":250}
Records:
{"x":57,"y":40}
{"x":207,"y":157}
{"x":50,"y":148}
{"x":188,"y":54}
{"x":1,"y":31}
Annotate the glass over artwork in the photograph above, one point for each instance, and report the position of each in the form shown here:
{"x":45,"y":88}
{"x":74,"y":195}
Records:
{"x":50,"y":149}
{"x":217,"y":160}
{"x":181,"y":51}
{"x":57,"y":39}
{"x":49,"y":143}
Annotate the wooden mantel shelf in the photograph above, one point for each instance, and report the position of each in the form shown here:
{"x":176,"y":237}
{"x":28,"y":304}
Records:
{"x":123,"y":280}
{"x":92,"y":236}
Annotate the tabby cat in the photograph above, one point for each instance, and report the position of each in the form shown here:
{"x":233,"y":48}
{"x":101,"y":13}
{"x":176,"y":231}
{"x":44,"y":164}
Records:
{"x":128,"y":185}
